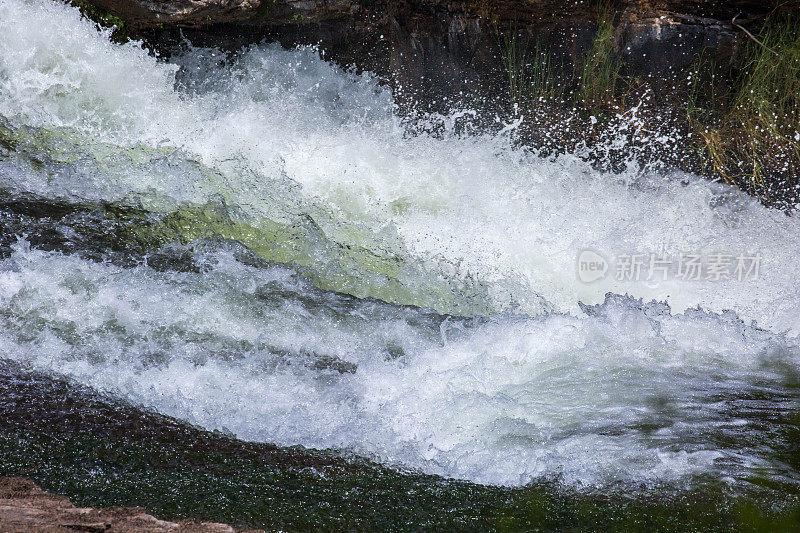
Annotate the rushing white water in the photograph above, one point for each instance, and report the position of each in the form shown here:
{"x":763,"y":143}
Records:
{"x":468,"y":224}
{"x":257,"y":352}
{"x":465,"y":207}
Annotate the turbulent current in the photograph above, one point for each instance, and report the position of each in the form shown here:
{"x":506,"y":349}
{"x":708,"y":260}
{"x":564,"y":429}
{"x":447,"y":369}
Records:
{"x":302,"y":269}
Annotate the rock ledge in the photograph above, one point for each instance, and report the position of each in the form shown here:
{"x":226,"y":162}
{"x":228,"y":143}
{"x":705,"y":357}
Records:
{"x":24,"y":507}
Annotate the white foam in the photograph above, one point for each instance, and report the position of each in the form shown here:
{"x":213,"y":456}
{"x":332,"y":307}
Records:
{"x":468,"y":207}
{"x":506,"y":401}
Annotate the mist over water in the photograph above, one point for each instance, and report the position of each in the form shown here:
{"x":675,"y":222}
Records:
{"x":478,"y":354}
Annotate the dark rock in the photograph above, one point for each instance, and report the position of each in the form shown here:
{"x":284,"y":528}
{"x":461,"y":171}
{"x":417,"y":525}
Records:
{"x":450,"y":48}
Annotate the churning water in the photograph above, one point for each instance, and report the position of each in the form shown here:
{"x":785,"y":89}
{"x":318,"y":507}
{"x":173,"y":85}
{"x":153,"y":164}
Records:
{"x":410,"y":298}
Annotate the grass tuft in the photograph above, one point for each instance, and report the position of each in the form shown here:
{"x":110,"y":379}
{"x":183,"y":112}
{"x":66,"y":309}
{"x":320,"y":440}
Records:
{"x":601,"y":68}
{"x":529,"y":70}
{"x":749,"y":132}
{"x":514,"y":50}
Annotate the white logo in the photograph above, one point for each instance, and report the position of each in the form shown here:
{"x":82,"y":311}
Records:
{"x":591,"y":266}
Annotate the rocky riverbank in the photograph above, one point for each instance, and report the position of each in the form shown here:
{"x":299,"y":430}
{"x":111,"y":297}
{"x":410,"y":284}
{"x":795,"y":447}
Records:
{"x":25,"y":507}
{"x":446,"y":47}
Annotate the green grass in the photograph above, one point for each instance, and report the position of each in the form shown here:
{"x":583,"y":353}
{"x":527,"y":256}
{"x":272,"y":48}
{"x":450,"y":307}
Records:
{"x":767,"y":104}
{"x":530,"y":76}
{"x":529,"y":71}
{"x":514,"y":51}
{"x":601,"y":67}
{"x":748,"y":129}
{"x":743,"y":119}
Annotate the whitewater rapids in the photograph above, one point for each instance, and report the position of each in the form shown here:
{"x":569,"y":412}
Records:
{"x":421,"y":304}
